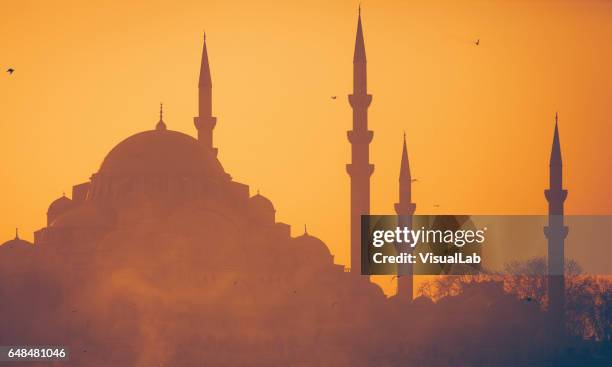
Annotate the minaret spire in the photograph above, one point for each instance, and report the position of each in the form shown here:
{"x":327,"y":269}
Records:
{"x":359,"y":59}
{"x":555,"y":153}
{"x":404,"y":209}
{"x":205,"y":122}
{"x":556,"y":232}
{"x":405,"y":176}
{"x":359,"y":137}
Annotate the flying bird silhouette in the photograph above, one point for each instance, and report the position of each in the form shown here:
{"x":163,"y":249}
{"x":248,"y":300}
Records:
{"x":10,"y":71}
{"x":414,"y":180}
{"x":477,"y":42}
{"x":333,"y":97}
{"x":436,"y":205}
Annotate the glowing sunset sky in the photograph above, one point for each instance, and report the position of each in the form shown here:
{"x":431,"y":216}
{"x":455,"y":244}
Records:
{"x":479,"y":119}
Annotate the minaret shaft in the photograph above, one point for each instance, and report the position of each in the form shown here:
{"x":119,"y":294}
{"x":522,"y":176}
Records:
{"x":360,"y":77}
{"x":556,"y":232}
{"x":359,"y":137}
{"x":205,"y":100}
{"x":404,"y":209}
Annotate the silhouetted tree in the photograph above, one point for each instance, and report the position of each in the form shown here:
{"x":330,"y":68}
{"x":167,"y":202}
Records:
{"x":588,"y":298}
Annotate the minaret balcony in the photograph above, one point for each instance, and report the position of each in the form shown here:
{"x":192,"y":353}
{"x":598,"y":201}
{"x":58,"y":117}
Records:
{"x":207,"y":122}
{"x":555,"y":195}
{"x":405,"y":208}
{"x":359,"y":170}
{"x":360,"y":137}
{"x":360,"y":100}
{"x":555,"y":232}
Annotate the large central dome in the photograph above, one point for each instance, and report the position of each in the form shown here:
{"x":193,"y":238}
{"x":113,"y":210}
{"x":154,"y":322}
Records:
{"x":161,"y":153}
{"x":159,"y":164}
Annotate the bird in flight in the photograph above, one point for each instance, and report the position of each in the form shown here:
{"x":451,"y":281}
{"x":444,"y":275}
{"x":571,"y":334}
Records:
{"x":10,"y":71}
{"x":333,"y":97}
{"x":477,"y":42}
{"x":436,"y":205}
{"x":414,"y":180}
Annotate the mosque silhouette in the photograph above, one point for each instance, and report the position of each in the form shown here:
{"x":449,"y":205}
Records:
{"x":161,"y":169}
{"x":161,"y":195}
{"x":154,"y":172}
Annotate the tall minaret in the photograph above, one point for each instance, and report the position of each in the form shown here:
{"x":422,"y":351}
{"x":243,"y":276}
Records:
{"x":360,"y":137}
{"x":405,"y":208}
{"x":205,"y":122}
{"x":555,"y":232}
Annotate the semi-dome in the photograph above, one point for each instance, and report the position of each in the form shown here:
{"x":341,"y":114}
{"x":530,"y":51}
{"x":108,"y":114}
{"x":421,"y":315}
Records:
{"x":161,"y":152}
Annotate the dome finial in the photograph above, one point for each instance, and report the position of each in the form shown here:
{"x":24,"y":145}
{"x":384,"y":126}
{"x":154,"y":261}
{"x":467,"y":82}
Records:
{"x":16,"y":233}
{"x":305,"y":230}
{"x":161,"y":125}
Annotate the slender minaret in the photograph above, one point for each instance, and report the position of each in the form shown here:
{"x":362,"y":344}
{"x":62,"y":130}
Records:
{"x":360,"y":137}
{"x":555,"y":232}
{"x":405,"y":208}
{"x":205,"y":122}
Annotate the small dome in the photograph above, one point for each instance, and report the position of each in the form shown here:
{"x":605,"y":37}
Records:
{"x":60,"y":205}
{"x":16,"y":243}
{"x":262,"y":203}
{"x":311,"y":247}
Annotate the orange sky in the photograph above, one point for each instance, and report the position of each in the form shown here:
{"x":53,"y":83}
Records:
{"x":479,"y":120}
